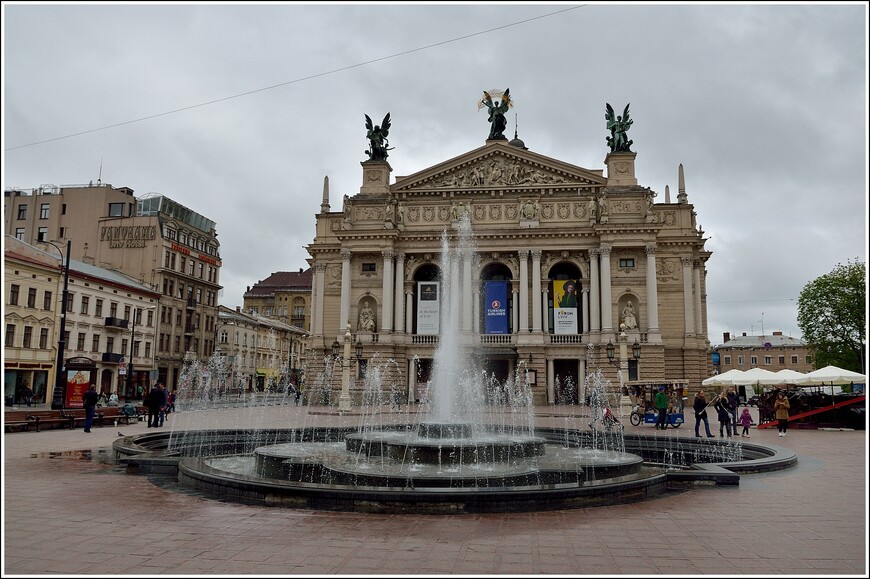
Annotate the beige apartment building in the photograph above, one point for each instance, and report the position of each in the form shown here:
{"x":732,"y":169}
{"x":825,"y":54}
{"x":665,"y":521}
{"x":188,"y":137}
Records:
{"x":259,"y":351}
{"x":542,"y":228}
{"x":284,"y":296}
{"x":158,"y":242}
{"x":772,"y":352}
{"x":109,"y":331}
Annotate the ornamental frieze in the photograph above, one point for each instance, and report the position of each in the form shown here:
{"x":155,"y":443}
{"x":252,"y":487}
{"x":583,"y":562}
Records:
{"x":666,"y":269}
{"x":496,"y":172}
{"x":670,"y":217}
{"x":625,"y":206}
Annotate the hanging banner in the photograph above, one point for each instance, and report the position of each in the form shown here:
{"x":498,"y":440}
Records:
{"x":428,"y":307}
{"x":496,"y":319}
{"x":565,"y":306}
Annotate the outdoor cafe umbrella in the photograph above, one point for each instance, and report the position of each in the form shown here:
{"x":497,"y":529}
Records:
{"x":790,"y":376}
{"x":833,"y":375}
{"x":723,"y":379}
{"x":757,"y":377}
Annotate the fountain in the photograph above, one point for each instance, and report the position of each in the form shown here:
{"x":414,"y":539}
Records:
{"x":474,"y":448}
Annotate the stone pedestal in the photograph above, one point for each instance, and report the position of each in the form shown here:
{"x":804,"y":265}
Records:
{"x":376,"y":177}
{"x":620,"y":169}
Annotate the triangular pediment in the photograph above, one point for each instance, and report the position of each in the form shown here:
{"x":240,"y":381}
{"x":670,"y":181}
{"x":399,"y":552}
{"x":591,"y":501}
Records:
{"x":498,"y":166}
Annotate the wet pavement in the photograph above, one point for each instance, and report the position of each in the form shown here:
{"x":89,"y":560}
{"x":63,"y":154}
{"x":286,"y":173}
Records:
{"x":67,"y":511}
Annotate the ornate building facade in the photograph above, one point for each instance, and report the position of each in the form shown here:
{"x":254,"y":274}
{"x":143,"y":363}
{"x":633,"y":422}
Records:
{"x":542,"y":227}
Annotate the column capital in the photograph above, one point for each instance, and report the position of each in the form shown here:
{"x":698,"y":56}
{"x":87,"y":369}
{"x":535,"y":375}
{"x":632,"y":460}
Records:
{"x":346,"y":254}
{"x":388,"y":254}
{"x":320,"y":266}
{"x":650,"y":248}
{"x":687,"y":261}
{"x":536,"y":254}
{"x":594,"y":253}
{"x":605,"y":250}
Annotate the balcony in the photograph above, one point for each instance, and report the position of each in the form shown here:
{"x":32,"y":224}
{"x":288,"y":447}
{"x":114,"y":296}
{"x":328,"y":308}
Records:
{"x":112,"y":358}
{"x":117,"y":323}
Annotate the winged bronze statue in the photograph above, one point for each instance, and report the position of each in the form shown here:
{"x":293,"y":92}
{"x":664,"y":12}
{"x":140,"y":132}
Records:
{"x":377,"y":136}
{"x":618,"y":126}
{"x":497,"y":110}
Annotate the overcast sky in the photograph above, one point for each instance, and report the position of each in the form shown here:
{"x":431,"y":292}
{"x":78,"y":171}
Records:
{"x":239,"y":111}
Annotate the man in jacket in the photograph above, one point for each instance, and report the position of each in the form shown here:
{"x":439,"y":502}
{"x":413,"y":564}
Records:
{"x":89,"y":400}
{"x":155,"y":400}
{"x":661,"y":403}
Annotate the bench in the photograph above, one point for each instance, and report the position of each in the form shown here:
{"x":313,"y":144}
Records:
{"x":21,"y":425}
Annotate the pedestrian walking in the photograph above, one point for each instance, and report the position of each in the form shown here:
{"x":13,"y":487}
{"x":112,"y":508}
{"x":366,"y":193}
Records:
{"x":700,"y":408}
{"x":746,"y":421}
{"x":89,"y":400}
{"x":723,"y":412}
{"x":661,"y":403}
{"x":780,"y":412}
{"x":154,"y":401}
{"x":734,"y":402}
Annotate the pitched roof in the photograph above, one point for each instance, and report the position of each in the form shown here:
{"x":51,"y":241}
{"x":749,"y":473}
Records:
{"x":282,"y":280}
{"x":775,"y":341}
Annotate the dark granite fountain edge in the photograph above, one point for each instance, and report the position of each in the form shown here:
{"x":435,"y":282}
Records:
{"x":147,"y":454}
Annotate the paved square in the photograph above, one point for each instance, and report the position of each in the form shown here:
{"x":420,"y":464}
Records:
{"x":65,"y":512}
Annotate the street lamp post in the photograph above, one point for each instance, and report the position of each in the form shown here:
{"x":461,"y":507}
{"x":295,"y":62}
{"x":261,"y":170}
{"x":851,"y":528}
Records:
{"x":58,"y":397}
{"x":130,"y":366}
{"x":622,"y":364}
{"x":344,"y":398}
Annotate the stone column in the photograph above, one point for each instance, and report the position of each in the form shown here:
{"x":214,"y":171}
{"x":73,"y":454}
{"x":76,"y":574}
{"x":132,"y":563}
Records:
{"x":409,"y":308}
{"x":400,"y":291}
{"x":412,"y":381}
{"x":652,"y":291}
{"x":475,"y":295}
{"x":515,"y":311}
{"x":606,"y":299}
{"x":345,"y":291}
{"x":581,"y":380}
{"x":584,"y":297}
{"x":466,"y":295}
{"x":551,"y":386}
{"x":317,"y":306}
{"x":386,"y":324}
{"x":688,"y":306}
{"x":536,"y":290}
{"x":594,"y":292}
{"x":524,"y":290}
{"x":699,"y":331}
{"x":545,"y":319}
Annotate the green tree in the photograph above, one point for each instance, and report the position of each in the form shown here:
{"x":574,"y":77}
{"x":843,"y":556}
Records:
{"x":832,"y":316}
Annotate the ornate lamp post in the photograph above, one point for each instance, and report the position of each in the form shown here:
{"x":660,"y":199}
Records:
{"x":622,"y":364}
{"x":58,"y":397}
{"x":344,"y":399}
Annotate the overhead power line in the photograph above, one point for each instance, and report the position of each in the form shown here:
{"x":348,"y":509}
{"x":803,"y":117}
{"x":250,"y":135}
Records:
{"x":289,"y":82}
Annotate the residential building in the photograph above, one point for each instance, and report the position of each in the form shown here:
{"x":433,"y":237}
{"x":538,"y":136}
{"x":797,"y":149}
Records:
{"x":155,"y":240}
{"x":772,"y":352}
{"x":31,"y":285}
{"x":284,"y":296}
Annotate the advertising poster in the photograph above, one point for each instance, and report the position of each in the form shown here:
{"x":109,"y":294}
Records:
{"x":565,"y":306}
{"x":428,"y":302}
{"x":496,"y":319}
{"x":77,"y":383}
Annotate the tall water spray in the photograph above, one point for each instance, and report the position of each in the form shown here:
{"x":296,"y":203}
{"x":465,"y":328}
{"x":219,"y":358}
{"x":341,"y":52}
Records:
{"x":457,"y":386}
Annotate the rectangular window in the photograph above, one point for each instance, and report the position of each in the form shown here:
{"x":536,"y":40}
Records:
{"x":22,"y":212}
{"x":172,"y":261}
{"x":46,"y":300}
{"x":123,"y":345}
{"x":116,"y":209}
{"x":69,"y":301}
{"x":178,"y":318}
{"x":86,"y":302}
{"x":782,"y":360}
{"x":66,"y":338}
{"x":43,"y":211}
{"x":136,"y":348}
{"x":147,"y":349}
{"x":298,"y":311}
{"x":626,"y":262}
{"x":127,"y":313}
{"x":150,"y":318}
{"x":10,"y":335}
{"x":31,"y":297}
{"x":190,"y":266}
{"x":110,"y":344}
{"x":43,"y":339}
{"x":177,"y":344}
{"x":198,"y":295}
{"x":98,"y":308}
{"x":768,"y":360}
{"x":61,"y":232}
{"x":80,"y":343}
{"x":113,"y":309}
{"x":808,"y":359}
{"x":368,"y":267}
{"x":727,"y":360}
{"x":63,"y":209}
{"x":42,"y":234}
{"x":14,"y":289}
{"x":28,"y":336}
{"x":95,"y":343}
{"x":201,"y":270}
{"x":19,"y":233}
{"x":794,"y":359}
{"x":182,"y":261}
{"x":166,"y":259}
{"x":739,"y":360}
{"x":753,"y":360}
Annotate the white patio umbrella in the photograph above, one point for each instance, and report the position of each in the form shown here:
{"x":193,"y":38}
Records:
{"x":791,"y":376}
{"x":723,"y":379}
{"x":833,"y":375}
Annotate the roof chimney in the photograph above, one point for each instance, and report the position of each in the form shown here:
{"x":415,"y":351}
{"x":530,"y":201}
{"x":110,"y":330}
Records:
{"x":744,"y":334}
{"x":726,"y":336}
{"x":300,"y":270}
{"x":777,"y":333}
